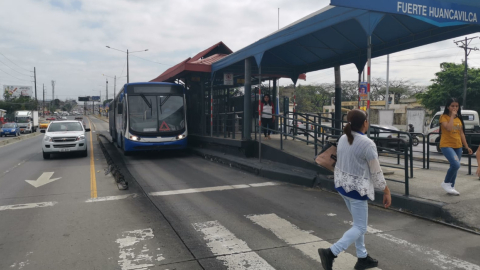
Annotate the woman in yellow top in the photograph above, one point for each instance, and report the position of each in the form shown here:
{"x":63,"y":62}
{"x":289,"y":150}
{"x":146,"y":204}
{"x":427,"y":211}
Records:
{"x":451,"y":142}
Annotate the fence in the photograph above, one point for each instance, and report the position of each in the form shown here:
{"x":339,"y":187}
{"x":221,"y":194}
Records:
{"x":322,"y":133}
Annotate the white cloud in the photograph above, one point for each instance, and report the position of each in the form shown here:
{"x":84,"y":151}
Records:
{"x":65,"y":40}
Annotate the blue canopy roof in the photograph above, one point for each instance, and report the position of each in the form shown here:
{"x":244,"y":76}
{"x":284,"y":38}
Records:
{"x":337,"y":35}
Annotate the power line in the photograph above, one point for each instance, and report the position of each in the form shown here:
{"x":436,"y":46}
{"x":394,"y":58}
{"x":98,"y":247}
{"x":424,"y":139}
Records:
{"x":15,"y":63}
{"x":150,"y":60}
{"x":14,"y":69}
{"x":14,"y":76}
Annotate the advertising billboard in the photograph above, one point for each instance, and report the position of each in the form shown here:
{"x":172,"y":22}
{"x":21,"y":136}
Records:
{"x":18,"y":90}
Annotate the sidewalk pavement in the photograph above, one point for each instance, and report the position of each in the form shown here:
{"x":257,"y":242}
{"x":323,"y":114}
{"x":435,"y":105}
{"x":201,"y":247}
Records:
{"x":426,"y":197}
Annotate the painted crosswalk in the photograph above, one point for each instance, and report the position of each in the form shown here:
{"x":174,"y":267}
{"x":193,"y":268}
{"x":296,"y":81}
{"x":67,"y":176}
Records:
{"x":302,"y":240}
{"x":233,"y":252}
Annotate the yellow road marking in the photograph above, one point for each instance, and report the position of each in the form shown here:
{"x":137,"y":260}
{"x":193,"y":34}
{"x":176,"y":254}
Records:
{"x":93,"y":180}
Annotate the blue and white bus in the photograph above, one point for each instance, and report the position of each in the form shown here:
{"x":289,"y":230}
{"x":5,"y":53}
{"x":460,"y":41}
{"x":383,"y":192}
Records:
{"x":149,"y":116}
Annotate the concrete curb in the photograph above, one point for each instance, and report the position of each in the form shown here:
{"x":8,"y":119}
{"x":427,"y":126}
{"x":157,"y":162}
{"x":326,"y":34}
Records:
{"x":18,"y":139}
{"x":101,"y":119}
{"x":113,"y":166}
{"x":427,"y":209}
{"x":270,"y":170}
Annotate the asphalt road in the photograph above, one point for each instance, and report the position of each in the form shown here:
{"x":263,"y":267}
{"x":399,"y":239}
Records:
{"x":189,"y":213}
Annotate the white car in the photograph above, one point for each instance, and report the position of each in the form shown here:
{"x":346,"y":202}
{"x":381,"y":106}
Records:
{"x":64,"y":136}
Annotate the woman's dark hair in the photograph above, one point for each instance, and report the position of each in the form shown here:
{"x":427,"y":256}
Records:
{"x":459,"y":112}
{"x":355,"y":119}
{"x":269,"y":100}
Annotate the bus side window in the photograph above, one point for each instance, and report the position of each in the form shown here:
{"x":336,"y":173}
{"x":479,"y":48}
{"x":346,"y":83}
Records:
{"x":435,"y":122}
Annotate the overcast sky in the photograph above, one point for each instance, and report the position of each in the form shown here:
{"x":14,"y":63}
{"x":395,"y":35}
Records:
{"x":65,"y":40}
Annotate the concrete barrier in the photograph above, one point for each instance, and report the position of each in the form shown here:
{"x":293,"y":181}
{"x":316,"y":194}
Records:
{"x":18,"y":139}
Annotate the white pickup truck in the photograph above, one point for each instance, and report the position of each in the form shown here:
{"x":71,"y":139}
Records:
{"x":472,"y":125}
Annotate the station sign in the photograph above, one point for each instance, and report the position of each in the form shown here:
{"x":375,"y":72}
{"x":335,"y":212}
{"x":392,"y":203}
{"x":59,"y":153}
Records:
{"x":227,"y":79}
{"x":446,"y":12}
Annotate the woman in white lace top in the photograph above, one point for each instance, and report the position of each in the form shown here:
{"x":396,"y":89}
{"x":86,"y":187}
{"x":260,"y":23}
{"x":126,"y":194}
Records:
{"x":357,"y":173}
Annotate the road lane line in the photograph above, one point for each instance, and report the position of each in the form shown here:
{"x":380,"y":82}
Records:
{"x":208,"y":189}
{"x":12,"y":168}
{"x":233,"y":252}
{"x":302,"y":240}
{"x":112,"y":198}
{"x":439,"y":259}
{"x":93,"y":180}
{"x":26,"y":206}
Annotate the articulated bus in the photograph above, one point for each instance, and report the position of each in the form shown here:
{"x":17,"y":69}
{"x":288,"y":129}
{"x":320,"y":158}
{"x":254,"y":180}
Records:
{"x":149,"y":116}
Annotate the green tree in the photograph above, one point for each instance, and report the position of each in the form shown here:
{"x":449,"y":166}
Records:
{"x":448,"y":83}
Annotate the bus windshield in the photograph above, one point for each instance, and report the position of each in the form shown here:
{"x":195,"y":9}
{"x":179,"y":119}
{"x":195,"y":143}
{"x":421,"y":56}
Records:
{"x":156,"y":114}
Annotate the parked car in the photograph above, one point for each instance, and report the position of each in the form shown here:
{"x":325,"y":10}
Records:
{"x":10,"y":129}
{"x":388,"y":139}
{"x":51,"y":118}
{"x":64,"y":136}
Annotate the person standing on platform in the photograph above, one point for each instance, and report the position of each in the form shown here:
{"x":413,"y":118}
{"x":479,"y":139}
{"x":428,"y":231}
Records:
{"x":357,"y":173}
{"x":268,"y":115}
{"x":452,"y":138}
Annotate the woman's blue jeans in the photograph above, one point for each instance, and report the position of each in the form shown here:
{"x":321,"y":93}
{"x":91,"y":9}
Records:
{"x":359,"y":211}
{"x":453,"y":156}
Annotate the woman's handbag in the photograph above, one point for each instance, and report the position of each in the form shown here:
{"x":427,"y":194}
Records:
{"x":328,"y":157}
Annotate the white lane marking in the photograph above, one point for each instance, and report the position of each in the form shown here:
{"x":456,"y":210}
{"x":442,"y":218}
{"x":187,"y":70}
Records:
{"x":331,"y":214}
{"x":9,"y":170}
{"x":302,"y":240}
{"x":208,"y":189}
{"x":21,"y":265}
{"x":43,"y":179}
{"x":264,"y":184}
{"x":112,"y":198}
{"x":134,"y":254}
{"x":234,"y":252}
{"x":26,"y":206}
{"x":436,"y":257}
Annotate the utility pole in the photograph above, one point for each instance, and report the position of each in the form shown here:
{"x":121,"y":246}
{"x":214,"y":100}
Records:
{"x":464,"y":44}
{"x":387,"y":98}
{"x":107,"y":90}
{"x":43,"y":102}
{"x":35,"y":80}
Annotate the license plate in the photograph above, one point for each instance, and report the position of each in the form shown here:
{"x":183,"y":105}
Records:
{"x":65,"y":150}
{"x":7,"y":132}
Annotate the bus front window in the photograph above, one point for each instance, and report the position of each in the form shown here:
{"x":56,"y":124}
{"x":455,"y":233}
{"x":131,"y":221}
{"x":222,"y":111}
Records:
{"x":156,"y":114}
{"x":143,"y":113}
{"x":171,"y":113}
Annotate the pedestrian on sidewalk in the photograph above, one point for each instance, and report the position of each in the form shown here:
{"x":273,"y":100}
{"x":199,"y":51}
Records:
{"x":268,"y":115}
{"x":357,"y":173}
{"x":452,"y":138}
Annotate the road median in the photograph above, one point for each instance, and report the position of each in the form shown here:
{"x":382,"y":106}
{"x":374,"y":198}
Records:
{"x":18,"y":139}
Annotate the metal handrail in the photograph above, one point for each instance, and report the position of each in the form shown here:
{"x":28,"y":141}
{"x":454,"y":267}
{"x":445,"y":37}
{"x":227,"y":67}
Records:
{"x":405,"y":152}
